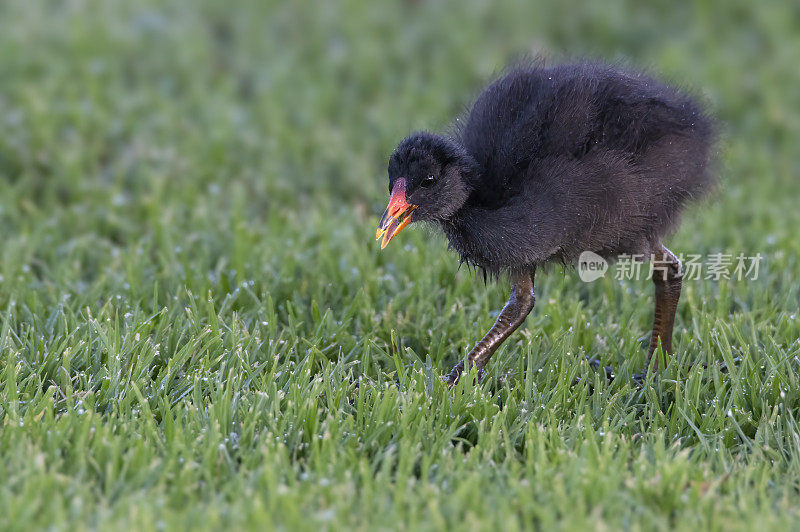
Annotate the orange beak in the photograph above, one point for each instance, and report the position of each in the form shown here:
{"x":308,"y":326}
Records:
{"x":397,"y":215}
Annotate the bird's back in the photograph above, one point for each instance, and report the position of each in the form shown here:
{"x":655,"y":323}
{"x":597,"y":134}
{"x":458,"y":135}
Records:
{"x":535,"y":113}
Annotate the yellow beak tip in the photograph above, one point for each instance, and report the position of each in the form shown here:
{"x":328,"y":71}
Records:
{"x":388,"y":229}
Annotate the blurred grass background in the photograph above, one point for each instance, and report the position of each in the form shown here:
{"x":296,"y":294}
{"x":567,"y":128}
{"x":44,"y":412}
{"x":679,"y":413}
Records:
{"x":199,"y":331}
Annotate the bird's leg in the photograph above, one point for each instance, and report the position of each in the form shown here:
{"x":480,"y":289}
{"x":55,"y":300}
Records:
{"x":667,"y":277}
{"x":519,"y":305}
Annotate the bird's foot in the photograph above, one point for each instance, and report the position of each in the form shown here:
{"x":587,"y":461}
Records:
{"x":595,"y":364}
{"x":455,"y":374}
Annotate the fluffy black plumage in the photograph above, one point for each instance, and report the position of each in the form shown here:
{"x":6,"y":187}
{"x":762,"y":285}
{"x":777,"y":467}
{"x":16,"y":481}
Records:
{"x":554,"y":161}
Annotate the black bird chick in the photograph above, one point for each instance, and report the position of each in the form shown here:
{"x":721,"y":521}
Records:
{"x":551,"y":162}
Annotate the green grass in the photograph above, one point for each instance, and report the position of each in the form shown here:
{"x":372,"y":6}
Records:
{"x":198,"y":330}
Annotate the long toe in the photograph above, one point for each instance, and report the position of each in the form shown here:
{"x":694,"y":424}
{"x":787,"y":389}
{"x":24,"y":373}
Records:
{"x":594,"y":363}
{"x":639,"y":379}
{"x":455,"y":374}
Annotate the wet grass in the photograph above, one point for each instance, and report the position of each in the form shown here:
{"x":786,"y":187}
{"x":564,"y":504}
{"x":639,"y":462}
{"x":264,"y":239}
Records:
{"x":198,"y":330}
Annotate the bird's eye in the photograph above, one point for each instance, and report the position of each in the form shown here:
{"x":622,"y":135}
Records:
{"x":429,"y":180}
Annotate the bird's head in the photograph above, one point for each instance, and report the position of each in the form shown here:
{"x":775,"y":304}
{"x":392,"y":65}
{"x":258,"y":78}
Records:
{"x":429,"y":180}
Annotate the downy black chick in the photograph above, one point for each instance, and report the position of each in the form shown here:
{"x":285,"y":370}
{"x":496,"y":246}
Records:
{"x":551,"y":162}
